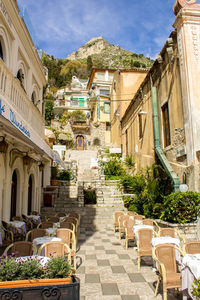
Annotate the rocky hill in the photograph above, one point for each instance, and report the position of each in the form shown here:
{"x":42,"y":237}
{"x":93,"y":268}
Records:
{"x":106,"y":55}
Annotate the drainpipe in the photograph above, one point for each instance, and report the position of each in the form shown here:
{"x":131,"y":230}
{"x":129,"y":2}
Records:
{"x":163,"y":159}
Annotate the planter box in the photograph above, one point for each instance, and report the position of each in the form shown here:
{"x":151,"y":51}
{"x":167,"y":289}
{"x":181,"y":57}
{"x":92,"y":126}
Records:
{"x":46,"y":289}
{"x":188,"y":230}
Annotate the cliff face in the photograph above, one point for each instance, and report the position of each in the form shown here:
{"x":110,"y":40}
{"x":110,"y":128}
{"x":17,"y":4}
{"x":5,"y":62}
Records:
{"x":106,"y":55}
{"x":94,"y":46}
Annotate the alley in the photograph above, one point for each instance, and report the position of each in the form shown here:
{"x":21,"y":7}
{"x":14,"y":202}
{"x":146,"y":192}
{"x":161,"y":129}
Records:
{"x":109,"y":272}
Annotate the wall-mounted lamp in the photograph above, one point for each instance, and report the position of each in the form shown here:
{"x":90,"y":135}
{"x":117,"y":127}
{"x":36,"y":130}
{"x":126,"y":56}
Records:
{"x":41,"y":167}
{"x":142,"y":113}
{"x":3,"y":145}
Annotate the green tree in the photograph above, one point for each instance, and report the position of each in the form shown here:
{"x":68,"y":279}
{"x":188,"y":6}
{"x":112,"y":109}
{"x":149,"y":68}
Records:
{"x":49,"y":115}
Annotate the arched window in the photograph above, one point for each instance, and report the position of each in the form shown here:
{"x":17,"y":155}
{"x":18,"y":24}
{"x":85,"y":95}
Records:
{"x":20,"y":76}
{"x":33,"y":97}
{"x":1,"y":51}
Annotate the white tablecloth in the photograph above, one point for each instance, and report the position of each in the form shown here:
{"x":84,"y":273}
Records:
{"x":168,"y":240}
{"x":51,"y":231}
{"x":18,"y":225}
{"x":35,"y":218}
{"x":190,"y":271}
{"x":44,"y":239}
{"x":137,"y":227}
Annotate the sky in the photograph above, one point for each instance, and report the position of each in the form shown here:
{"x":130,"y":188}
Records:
{"x":62,"y":26}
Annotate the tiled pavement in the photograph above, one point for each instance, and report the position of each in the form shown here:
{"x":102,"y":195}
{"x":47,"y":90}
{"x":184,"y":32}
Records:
{"x":108,"y":271}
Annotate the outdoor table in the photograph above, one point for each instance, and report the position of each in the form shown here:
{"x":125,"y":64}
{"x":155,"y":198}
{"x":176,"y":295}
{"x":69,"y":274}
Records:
{"x":42,"y":259}
{"x":18,"y":225}
{"x":137,"y":227}
{"x":51,"y":231}
{"x":190,"y":271}
{"x":44,"y":239}
{"x":35,"y":218}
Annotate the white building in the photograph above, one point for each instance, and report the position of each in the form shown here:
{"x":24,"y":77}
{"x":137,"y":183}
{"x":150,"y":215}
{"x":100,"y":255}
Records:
{"x":25,"y":157}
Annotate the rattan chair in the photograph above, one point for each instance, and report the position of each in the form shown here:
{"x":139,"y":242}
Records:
{"x":22,"y":248}
{"x":29,"y":224}
{"x":55,"y":249}
{"x":144,"y":247}
{"x":35,"y":233}
{"x":165,"y":256}
{"x":8,"y":234}
{"x":171,"y":232}
{"x":17,"y":233}
{"x":75,"y":222}
{"x":61,"y":214}
{"x":68,"y":225}
{"x":17,"y":218}
{"x":132,"y":213}
{"x":121,"y":227}
{"x":54,"y":219}
{"x":116,"y":215}
{"x":129,"y":233}
{"x":75,"y":215}
{"x":45,"y":225}
{"x":68,"y":237}
{"x":192,"y":247}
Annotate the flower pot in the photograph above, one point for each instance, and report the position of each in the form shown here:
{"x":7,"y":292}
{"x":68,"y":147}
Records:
{"x":41,"y":289}
{"x":34,"y":282}
{"x":54,"y":182}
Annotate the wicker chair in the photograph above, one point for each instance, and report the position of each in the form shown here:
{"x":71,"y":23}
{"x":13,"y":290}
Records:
{"x":22,"y":248}
{"x":115,"y":217}
{"x":68,"y":225}
{"x":75,"y":215}
{"x":148,"y":222}
{"x":8,"y":234}
{"x":192,"y":247}
{"x":144,"y":243}
{"x":45,"y":225}
{"x":35,"y":213}
{"x":165,"y":256}
{"x":17,"y":218}
{"x":75,"y":222}
{"x":61,"y":214}
{"x":171,"y":232}
{"x":132,"y":213}
{"x":55,"y":249}
{"x":35,"y":233}
{"x":121,"y":220}
{"x":54,"y":219}
{"x":68,"y":237}
{"x":17,"y":233}
{"x":29,"y":224}
{"x":129,"y":233}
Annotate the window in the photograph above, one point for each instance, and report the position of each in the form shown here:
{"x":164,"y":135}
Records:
{"x":104,"y":92}
{"x":108,"y":126}
{"x":96,"y":142}
{"x":110,"y":77}
{"x":140,"y":126}
{"x":74,"y":101}
{"x":1,"y":51}
{"x":106,"y":109}
{"x":166,"y":127}
{"x":101,"y":76}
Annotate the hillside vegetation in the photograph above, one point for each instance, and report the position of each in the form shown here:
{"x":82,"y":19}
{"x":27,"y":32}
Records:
{"x":97,"y":53}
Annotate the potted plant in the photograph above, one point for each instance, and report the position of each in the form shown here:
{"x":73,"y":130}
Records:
{"x":54,"y":176}
{"x":30,"y":278}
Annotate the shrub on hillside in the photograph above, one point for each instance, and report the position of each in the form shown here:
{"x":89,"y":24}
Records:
{"x":114,"y":167}
{"x":181,"y":207}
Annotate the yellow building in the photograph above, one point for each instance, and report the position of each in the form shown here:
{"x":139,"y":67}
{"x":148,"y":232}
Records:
{"x":124,"y":86}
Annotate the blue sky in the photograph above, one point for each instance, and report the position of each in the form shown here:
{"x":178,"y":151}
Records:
{"x":62,"y":26}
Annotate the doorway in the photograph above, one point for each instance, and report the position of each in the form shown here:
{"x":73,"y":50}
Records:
{"x":30,"y":193}
{"x":79,"y":142}
{"x":13,"y":206}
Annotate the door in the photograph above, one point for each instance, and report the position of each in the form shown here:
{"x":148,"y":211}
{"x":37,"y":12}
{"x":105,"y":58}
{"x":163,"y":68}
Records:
{"x":13,"y":196}
{"x":80,"y":142}
{"x":30,"y":192}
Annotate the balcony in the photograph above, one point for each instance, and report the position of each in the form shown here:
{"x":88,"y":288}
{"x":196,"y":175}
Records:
{"x":80,"y":125}
{"x":17,"y":107}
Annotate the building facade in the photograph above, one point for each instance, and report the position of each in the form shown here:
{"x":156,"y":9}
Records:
{"x":25,"y":157}
{"x":162,"y":121}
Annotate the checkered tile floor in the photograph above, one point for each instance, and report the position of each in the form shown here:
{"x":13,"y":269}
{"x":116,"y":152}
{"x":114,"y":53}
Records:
{"x":109,"y":272}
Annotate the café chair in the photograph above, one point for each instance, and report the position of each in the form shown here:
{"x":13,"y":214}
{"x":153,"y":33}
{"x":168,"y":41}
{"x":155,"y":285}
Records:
{"x":53,"y":219}
{"x":165,"y":256}
{"x":121,"y":227}
{"x":22,"y":248}
{"x":17,"y":233}
{"x":55,"y":249}
{"x":144,"y":247}
{"x":35,"y":233}
{"x":8,"y":234}
{"x":45,"y":225}
{"x":61,"y":214}
{"x":129,"y":233}
{"x":192,"y":247}
{"x":116,"y":215}
{"x":29,"y":224}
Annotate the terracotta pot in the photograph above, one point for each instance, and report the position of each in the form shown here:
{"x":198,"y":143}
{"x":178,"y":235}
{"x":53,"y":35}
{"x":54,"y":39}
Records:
{"x":54,"y":182}
{"x":34,"y":282}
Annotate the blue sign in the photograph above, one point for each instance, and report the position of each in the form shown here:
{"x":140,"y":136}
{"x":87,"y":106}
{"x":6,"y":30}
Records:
{"x":18,"y":124}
